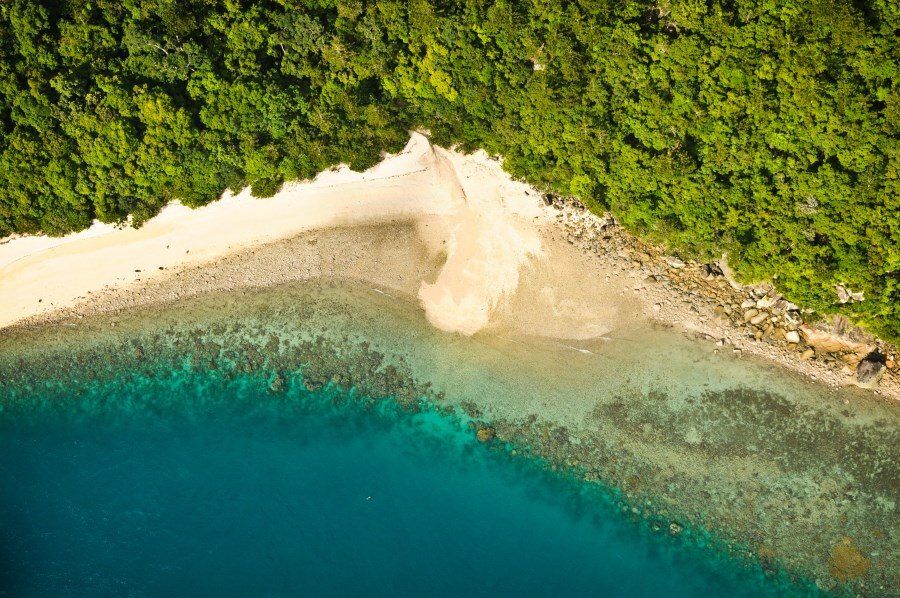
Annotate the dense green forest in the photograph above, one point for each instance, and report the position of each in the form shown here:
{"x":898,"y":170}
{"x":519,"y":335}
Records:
{"x":765,"y":128}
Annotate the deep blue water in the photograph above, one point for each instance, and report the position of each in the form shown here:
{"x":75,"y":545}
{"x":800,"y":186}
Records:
{"x":180,"y":486}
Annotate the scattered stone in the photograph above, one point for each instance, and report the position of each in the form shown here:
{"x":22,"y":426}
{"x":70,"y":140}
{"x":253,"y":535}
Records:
{"x":807,"y":355}
{"x":750,"y":314}
{"x":766,"y":302}
{"x":793,"y":319}
{"x":792,"y":336}
{"x":845,"y":295}
{"x":870,"y":369}
{"x":675,"y":263}
{"x":675,"y":529}
{"x":759,"y":318}
{"x":713,"y":270}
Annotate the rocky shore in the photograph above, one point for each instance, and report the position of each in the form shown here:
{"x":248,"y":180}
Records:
{"x":704,"y":300}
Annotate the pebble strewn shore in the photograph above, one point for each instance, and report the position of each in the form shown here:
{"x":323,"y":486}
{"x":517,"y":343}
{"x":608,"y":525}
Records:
{"x":704,"y":300}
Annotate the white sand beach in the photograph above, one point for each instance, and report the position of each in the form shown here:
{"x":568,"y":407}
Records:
{"x":480,"y":219}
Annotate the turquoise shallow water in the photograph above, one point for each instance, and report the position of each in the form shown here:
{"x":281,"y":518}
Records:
{"x":209,"y":446}
{"x":186,"y":485}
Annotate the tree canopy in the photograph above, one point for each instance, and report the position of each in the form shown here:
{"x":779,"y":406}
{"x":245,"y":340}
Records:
{"x":765,"y":129}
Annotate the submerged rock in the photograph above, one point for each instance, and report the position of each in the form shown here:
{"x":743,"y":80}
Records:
{"x":278,"y":383}
{"x":485,"y":434}
{"x":847,"y":562}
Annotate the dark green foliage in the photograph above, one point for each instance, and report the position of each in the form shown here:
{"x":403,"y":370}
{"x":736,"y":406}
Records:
{"x":768,"y":130}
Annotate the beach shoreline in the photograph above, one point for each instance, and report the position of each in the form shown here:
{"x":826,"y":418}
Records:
{"x":476,"y":249}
